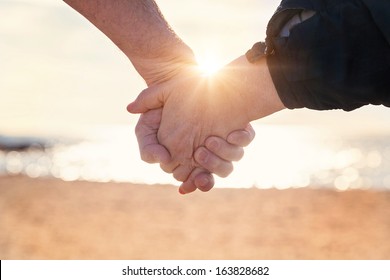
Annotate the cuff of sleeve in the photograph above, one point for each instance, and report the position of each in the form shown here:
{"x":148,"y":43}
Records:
{"x":283,"y":88}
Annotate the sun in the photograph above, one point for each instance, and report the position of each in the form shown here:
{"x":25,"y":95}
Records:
{"x":208,"y":64}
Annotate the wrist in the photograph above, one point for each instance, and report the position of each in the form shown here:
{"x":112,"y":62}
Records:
{"x":268,"y":98}
{"x":257,"y":89}
{"x":244,"y":90}
{"x":164,"y":65}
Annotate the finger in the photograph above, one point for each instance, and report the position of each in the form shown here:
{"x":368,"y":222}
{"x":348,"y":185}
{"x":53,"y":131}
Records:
{"x":146,"y":132}
{"x":199,"y":179}
{"x":154,"y":153}
{"x":204,"y":181}
{"x":169,"y":167}
{"x":148,"y":99}
{"x":213,"y":163}
{"x":242,"y":138}
{"x":221,"y":148}
{"x":182,"y":172}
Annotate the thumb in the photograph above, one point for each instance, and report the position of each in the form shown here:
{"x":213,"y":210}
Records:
{"x":148,"y":99}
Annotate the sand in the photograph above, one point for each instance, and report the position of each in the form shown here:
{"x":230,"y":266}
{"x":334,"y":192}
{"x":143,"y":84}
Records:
{"x":53,"y":219}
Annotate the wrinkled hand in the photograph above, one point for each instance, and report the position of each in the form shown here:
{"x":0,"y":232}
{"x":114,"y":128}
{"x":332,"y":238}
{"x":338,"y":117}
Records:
{"x":215,"y":156}
{"x":196,"y":107}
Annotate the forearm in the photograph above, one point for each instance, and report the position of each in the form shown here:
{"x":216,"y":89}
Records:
{"x":138,"y":28}
{"x":252,"y":87}
{"x":262,"y":96}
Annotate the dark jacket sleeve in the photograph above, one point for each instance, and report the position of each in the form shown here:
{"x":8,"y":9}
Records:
{"x":337,"y":59}
{"x":380,"y":12}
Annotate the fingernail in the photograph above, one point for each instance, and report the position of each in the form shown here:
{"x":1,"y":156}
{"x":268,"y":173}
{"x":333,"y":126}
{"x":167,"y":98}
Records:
{"x":181,"y":191}
{"x":213,"y":145}
{"x":202,"y":156}
{"x":204,"y":182}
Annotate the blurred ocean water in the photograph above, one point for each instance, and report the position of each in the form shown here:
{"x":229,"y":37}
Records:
{"x":279,"y":157}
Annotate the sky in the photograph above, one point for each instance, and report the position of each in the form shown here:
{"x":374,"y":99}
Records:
{"x":60,"y":75}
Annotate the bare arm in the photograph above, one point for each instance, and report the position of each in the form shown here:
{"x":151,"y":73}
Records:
{"x":139,"y":29}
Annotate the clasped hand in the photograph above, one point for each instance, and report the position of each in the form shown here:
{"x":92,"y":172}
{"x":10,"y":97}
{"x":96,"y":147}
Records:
{"x":193,"y":125}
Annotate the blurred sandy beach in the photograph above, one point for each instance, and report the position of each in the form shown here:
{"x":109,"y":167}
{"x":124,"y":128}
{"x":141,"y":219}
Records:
{"x":54,"y":219}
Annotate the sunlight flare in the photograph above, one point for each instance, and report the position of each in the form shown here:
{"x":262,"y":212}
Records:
{"x":208,"y":64}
